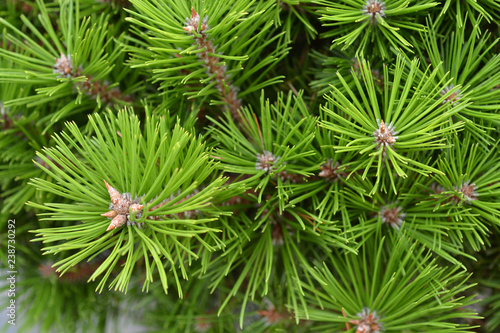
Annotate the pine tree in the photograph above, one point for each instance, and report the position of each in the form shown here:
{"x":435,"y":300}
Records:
{"x":251,"y":165}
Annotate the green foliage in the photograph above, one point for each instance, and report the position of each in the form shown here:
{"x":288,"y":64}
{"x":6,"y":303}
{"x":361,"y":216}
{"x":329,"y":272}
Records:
{"x":373,"y":24}
{"x":74,"y":305}
{"x":275,"y":151}
{"x":378,"y":280}
{"x":474,"y":9}
{"x":417,"y":122}
{"x":285,"y":166}
{"x":89,"y":46}
{"x":242,"y":32}
{"x":464,"y":58}
{"x":160,"y":171}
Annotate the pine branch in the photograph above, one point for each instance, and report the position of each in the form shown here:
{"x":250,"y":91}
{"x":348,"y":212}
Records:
{"x":157,"y":185}
{"x":197,"y":27}
{"x":56,"y":69}
{"x":427,"y":295}
{"x":210,"y":46}
{"x":277,"y":181}
{"x":372,"y":23}
{"x":375,"y":124}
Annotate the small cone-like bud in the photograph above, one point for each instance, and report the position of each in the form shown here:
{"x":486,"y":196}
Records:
{"x":266,"y":161}
{"x":136,"y":208}
{"x":64,"y":66}
{"x":330,"y":171}
{"x":118,"y":221}
{"x":113,"y":194}
{"x":110,"y":214}
{"x":385,"y":135}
